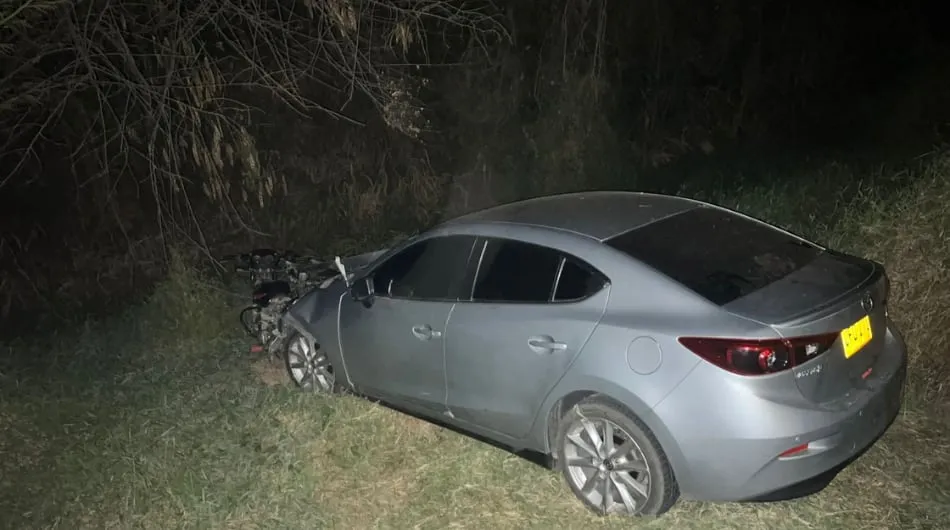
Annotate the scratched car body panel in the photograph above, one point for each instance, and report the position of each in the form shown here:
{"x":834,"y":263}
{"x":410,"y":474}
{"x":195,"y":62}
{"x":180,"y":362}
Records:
{"x":720,"y":335}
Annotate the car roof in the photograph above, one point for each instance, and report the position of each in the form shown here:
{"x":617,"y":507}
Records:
{"x":596,"y":214}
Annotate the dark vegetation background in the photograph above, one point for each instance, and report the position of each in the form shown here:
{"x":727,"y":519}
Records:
{"x":140,"y":139}
{"x":129,"y":127}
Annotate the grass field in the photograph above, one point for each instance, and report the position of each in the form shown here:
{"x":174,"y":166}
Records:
{"x":158,"y":418}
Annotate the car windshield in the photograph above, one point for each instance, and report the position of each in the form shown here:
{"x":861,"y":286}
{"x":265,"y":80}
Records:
{"x":719,"y":255}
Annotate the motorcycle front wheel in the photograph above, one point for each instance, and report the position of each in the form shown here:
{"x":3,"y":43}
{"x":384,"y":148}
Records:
{"x":251,"y":320}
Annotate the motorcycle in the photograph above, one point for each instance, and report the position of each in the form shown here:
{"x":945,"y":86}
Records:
{"x":278,"y":279}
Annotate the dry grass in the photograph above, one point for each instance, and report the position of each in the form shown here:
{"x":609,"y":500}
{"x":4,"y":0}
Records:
{"x":428,"y":477}
{"x":217,"y":448}
{"x":159,"y":419}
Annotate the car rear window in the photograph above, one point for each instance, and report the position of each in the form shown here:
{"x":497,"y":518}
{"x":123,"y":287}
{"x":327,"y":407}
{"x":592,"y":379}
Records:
{"x":720,"y":255}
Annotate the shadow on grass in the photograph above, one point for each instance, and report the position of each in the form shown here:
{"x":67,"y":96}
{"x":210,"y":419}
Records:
{"x":534,"y":457}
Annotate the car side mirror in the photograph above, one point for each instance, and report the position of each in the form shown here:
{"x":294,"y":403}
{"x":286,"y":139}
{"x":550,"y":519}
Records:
{"x":362,"y":291}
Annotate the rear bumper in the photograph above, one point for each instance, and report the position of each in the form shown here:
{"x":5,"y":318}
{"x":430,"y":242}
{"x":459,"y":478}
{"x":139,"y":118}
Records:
{"x":815,"y":484}
{"x":808,"y":474}
{"x":733,"y":458}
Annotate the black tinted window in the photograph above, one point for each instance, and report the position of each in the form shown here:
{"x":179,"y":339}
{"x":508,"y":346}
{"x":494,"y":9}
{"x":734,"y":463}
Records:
{"x":512,"y":271}
{"x":720,"y":255}
{"x":429,"y":269}
{"x":577,"y":281}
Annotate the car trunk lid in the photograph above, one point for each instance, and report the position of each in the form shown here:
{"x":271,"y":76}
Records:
{"x":835,"y":294}
{"x":756,"y":271}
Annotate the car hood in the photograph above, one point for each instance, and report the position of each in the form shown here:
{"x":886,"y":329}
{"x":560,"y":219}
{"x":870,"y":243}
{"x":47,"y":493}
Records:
{"x":310,"y":308}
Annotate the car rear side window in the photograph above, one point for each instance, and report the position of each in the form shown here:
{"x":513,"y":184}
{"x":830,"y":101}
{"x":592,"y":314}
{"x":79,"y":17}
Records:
{"x":577,"y":282}
{"x":718,"y":254}
{"x":514,"y":271}
{"x":432,"y":269}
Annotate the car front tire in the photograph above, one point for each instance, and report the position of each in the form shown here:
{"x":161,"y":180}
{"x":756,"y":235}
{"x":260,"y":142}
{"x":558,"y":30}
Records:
{"x":308,"y":366}
{"x":612,"y":462}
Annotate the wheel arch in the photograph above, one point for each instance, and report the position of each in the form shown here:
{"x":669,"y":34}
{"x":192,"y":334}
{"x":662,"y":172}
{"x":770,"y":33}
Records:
{"x":624,"y":400}
{"x":557,"y":412}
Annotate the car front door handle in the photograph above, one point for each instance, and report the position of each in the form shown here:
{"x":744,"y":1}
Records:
{"x":425,"y":332}
{"x":546,"y":344}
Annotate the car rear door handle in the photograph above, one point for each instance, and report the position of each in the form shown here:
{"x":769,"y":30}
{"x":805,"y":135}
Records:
{"x":546,"y":344}
{"x":425,"y":332}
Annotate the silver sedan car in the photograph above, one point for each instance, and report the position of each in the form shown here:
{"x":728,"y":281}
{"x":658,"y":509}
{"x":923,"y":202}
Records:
{"x":653,"y":347}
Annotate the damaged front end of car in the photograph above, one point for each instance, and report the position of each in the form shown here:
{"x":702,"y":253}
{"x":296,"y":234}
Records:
{"x":310,"y":324}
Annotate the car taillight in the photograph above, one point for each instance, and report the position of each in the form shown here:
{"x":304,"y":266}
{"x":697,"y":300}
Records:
{"x":759,"y":357}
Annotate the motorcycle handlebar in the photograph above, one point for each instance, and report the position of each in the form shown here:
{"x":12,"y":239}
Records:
{"x":283,"y":262}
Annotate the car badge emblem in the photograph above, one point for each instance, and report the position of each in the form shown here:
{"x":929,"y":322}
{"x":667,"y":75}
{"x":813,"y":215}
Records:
{"x":867,"y":303}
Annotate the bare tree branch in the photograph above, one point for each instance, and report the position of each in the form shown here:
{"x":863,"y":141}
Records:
{"x":166,"y":89}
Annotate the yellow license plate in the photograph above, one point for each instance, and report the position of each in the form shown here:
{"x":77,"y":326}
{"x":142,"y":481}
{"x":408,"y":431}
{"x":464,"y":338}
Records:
{"x":856,"y":336}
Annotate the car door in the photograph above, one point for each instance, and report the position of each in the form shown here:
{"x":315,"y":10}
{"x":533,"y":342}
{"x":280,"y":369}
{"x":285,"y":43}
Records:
{"x":531,"y":312}
{"x":393,"y":345}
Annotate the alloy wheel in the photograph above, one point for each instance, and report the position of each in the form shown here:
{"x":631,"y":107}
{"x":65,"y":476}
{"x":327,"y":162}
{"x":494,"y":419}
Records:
{"x":308,"y":366}
{"x":607,"y":466}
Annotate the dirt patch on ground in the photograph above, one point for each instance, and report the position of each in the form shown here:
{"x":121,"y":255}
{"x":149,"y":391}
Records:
{"x":270,"y":371}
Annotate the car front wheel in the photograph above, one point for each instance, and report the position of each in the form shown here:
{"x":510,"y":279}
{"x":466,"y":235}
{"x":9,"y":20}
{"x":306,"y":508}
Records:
{"x":612,"y":462}
{"x":308,"y":366}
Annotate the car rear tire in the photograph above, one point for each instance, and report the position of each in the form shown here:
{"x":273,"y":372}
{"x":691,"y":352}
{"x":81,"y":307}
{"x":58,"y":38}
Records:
{"x":612,"y":462}
{"x":308,"y":365}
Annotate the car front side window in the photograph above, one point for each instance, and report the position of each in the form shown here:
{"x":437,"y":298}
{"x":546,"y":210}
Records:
{"x":431,"y":269}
